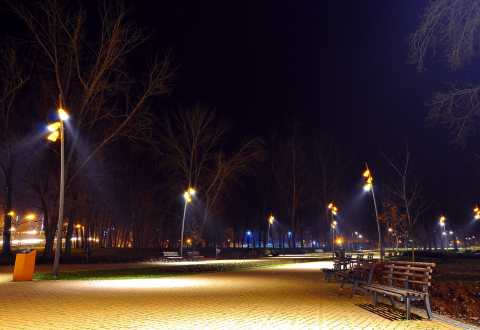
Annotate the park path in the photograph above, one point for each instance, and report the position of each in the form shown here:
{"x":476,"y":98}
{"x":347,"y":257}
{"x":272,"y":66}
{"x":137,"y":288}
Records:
{"x":287,"y":297}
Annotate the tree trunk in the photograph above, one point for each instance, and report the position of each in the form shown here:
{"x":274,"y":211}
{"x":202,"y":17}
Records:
{"x":68,"y":239}
{"x":7,"y":176}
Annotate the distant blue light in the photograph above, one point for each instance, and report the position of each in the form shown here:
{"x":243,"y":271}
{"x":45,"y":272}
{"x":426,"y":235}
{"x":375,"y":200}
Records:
{"x":249,"y":233}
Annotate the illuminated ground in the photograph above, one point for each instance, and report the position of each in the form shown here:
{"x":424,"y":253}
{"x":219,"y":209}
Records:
{"x":288,"y":297}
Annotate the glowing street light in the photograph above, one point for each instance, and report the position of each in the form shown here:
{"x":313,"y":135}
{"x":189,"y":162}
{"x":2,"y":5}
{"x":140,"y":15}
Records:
{"x":442,"y":223}
{"x":334,"y":210}
{"x":188,"y":199}
{"x":477,"y":212}
{"x":270,"y":221}
{"x":57,"y":130}
{"x":369,"y":186}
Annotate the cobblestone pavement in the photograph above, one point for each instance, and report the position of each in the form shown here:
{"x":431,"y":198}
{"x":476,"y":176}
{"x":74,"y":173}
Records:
{"x":286,"y":297}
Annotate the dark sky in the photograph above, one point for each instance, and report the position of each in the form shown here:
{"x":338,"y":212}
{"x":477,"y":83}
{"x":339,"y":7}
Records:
{"x":338,"y":66}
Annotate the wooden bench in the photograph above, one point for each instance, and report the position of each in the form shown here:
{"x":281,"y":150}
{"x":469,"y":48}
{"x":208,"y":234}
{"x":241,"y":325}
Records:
{"x":328,"y":272}
{"x":360,"y":274}
{"x":195,"y":255}
{"x":252,"y":253}
{"x":370,"y":256}
{"x":404,"y":273}
{"x":340,"y":262}
{"x":167,"y":256}
{"x":239,"y":255}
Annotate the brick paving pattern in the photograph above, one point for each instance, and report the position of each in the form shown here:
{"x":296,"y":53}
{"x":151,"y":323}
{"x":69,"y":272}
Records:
{"x":287,"y":297}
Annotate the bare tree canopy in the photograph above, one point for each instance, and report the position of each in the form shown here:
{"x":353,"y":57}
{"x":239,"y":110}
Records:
{"x":451,"y":26}
{"x":408,"y":193}
{"x":458,"y":109}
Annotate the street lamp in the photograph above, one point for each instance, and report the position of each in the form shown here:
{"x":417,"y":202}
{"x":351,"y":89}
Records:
{"x":334,"y":211}
{"x":188,"y":198}
{"x":477,"y":212}
{"x":442,"y":223}
{"x":270,"y":221}
{"x":369,"y":186}
{"x":57,"y":130}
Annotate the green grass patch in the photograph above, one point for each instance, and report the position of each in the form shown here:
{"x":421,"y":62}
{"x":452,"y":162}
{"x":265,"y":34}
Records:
{"x":166,"y":271}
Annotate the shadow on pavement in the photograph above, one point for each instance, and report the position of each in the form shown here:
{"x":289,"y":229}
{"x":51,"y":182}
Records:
{"x":388,"y":312}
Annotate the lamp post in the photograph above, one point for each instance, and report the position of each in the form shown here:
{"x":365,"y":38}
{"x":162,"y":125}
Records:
{"x":334,"y":211}
{"x":369,"y":186}
{"x":187,"y":195}
{"x":442,"y":223}
{"x":270,"y":221}
{"x":57,"y":130}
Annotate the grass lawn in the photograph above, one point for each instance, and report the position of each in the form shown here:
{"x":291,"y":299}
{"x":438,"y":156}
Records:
{"x":166,"y":271}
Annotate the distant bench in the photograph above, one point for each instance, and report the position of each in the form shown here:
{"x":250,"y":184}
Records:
{"x":195,"y":255}
{"x":167,"y":256}
{"x":239,"y":255}
{"x":404,"y":273}
{"x":319,"y":251}
{"x":252,"y":253}
{"x":360,"y":274}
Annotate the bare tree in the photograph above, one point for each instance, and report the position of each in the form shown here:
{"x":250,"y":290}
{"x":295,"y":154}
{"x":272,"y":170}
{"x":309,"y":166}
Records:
{"x":290,"y":165}
{"x":13,"y":76}
{"x":331,"y":163}
{"x":409,"y":193}
{"x":90,"y":73}
{"x":451,"y":27}
{"x":193,"y":143}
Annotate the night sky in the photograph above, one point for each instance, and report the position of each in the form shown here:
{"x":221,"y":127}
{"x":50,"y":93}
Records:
{"x":338,"y":66}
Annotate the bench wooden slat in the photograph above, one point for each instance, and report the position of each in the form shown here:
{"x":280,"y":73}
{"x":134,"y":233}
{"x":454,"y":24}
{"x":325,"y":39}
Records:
{"x":416,"y":269}
{"x":397,"y":290}
{"x":408,"y":274}
{"x":396,"y":294}
{"x":381,"y":290}
{"x":431,"y":264}
{"x":405,"y":280}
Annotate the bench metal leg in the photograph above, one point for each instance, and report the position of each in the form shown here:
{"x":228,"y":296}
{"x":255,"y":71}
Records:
{"x":375,"y":301}
{"x":327,"y":277}
{"x":343,"y":282}
{"x":354,"y":288}
{"x":392,"y":300}
{"x":427,"y":307}
{"x":408,"y":308}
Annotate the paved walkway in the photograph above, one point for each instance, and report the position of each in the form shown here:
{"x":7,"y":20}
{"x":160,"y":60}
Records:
{"x":286,"y":297}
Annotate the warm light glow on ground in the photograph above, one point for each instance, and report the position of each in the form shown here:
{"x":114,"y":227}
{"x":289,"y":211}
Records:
{"x":151,"y":283}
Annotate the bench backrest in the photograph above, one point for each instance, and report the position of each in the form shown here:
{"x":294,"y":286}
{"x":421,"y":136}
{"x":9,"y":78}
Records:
{"x":364,"y":269}
{"x":170,"y":254}
{"x":194,"y":253}
{"x":407,"y":273}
